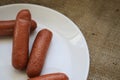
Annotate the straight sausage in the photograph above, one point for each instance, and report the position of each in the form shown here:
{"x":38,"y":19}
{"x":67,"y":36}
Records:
{"x":38,"y":53}
{"x":52,"y":76}
{"x":21,"y":40}
{"x":7,"y":27}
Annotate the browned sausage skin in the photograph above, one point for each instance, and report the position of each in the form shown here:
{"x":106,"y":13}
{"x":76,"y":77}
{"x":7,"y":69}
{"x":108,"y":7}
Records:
{"x":7,"y":27}
{"x":38,"y":53}
{"x":52,"y":76}
{"x":21,"y":40}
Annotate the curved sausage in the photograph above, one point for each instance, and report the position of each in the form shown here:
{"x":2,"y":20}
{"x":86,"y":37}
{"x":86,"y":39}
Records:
{"x":38,"y":53}
{"x":7,"y":27}
{"x":52,"y":76}
{"x":21,"y":40}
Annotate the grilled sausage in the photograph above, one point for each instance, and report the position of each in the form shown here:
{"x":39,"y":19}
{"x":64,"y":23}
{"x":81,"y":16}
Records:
{"x":21,"y":40}
{"x":38,"y":53}
{"x":52,"y":76}
{"x":7,"y":27}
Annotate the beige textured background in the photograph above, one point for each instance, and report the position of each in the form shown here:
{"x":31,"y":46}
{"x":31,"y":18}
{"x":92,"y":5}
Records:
{"x":99,"y":20}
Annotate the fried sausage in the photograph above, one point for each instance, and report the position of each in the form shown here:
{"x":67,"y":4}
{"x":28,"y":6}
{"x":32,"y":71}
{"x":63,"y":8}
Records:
{"x":38,"y":53}
{"x":7,"y":27}
{"x":52,"y":76}
{"x":21,"y":40}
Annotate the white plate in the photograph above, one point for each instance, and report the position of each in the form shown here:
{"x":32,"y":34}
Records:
{"x":68,"y":51}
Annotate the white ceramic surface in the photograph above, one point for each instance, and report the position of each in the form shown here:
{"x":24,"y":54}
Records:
{"x":68,"y":51}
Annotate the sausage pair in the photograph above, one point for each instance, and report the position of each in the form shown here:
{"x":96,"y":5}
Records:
{"x":21,"y":45}
{"x":37,"y":58}
{"x":38,"y":52}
